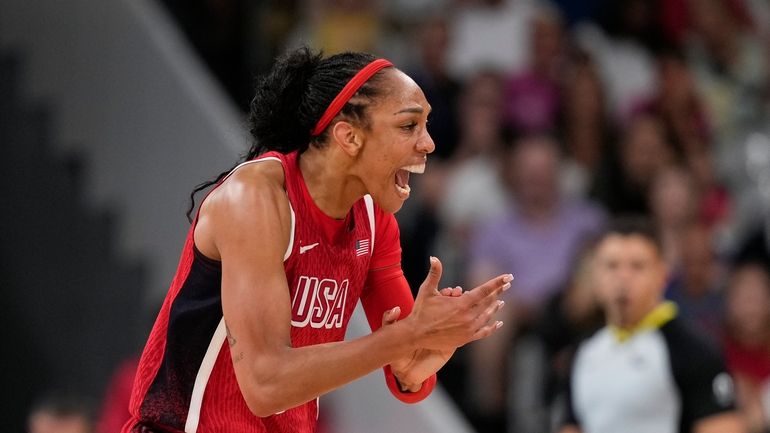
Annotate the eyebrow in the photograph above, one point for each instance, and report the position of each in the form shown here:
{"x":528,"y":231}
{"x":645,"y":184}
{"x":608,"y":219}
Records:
{"x":417,"y":110}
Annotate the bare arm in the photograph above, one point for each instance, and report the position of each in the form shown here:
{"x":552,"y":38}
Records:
{"x":246,"y":223}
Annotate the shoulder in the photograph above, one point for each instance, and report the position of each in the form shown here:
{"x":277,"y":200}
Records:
{"x":595,"y":344}
{"x":600,"y":337}
{"x":252,"y":200}
{"x":588,"y":211}
{"x":250,"y":183}
{"x":683,"y":340}
{"x":699,"y":372}
{"x":693,"y":357}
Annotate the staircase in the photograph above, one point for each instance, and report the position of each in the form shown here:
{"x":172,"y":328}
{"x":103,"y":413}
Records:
{"x":70,"y":305}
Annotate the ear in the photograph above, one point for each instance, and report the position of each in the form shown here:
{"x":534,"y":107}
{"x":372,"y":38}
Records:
{"x":349,"y":138}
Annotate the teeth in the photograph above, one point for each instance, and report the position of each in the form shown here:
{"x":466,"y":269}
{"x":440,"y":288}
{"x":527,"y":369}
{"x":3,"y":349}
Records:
{"x":416,"y":168}
{"x":403,"y":189}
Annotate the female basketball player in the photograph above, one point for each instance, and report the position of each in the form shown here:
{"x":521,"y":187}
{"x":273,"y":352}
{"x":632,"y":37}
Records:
{"x":284,"y":246}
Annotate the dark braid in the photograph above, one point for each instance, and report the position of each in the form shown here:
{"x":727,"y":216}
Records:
{"x":292,"y":97}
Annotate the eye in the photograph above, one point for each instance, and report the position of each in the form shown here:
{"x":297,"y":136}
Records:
{"x":409,"y":126}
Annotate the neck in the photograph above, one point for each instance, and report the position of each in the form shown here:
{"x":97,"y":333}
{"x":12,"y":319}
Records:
{"x":654,"y":318}
{"x":627,"y":323}
{"x":539,"y":212}
{"x":327,"y":177}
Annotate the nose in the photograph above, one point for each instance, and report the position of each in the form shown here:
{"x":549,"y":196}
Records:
{"x":425,"y":144}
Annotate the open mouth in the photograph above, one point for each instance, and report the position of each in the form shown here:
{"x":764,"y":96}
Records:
{"x":402,"y":178}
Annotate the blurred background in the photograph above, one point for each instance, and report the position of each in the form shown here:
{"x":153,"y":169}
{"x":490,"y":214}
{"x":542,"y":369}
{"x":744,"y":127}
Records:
{"x":549,"y":118}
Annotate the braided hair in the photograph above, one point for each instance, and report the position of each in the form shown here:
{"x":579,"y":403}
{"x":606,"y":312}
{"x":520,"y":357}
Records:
{"x":291,"y":98}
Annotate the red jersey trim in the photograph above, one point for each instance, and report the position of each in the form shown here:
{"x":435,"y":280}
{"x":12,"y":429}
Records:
{"x":408,"y":397}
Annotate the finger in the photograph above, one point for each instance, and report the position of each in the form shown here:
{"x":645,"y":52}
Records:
{"x":434,"y":276}
{"x":491,"y":287}
{"x":487,"y":315}
{"x":451,"y":291}
{"x":487,"y":330}
{"x":391,"y":316}
{"x":495,"y":308}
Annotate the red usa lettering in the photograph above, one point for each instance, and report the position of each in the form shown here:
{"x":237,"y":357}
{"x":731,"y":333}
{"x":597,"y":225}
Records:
{"x":319,"y":303}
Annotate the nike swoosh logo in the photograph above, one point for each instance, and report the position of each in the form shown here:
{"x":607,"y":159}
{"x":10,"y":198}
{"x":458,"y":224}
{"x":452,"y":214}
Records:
{"x":302,"y":250}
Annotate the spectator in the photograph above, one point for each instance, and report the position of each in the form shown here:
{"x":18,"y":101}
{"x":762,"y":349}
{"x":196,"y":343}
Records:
{"x":585,"y":128}
{"x":535,"y":239}
{"x":538,"y":235}
{"x":625,"y":65}
{"x":729,"y":62}
{"x":569,"y":317}
{"x":532,"y":95}
{"x":696,"y":284}
{"x":60,"y":412}
{"x":730,"y":67}
{"x":715,"y":201}
{"x":627,"y":174}
{"x":674,"y":205}
{"x":747,"y":342}
{"x":430,"y":73}
{"x":645,"y":372}
{"x":678,"y":105}
{"x":420,"y":221}
{"x":473,"y":191}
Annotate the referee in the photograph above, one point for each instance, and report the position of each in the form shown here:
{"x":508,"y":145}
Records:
{"x":645,"y":372}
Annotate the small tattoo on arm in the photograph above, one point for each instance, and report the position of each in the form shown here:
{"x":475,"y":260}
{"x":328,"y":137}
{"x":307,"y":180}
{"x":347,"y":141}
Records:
{"x":230,"y":339}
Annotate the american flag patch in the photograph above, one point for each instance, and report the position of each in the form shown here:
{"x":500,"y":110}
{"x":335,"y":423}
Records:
{"x":362,"y":247}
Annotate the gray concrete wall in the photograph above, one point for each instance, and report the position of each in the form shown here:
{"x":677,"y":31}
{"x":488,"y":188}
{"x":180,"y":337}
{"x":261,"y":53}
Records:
{"x":131,"y":96}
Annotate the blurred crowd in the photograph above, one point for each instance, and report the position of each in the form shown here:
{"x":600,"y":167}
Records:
{"x":550,"y":118}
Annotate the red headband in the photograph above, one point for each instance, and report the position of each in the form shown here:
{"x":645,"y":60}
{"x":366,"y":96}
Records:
{"x":347,"y":92}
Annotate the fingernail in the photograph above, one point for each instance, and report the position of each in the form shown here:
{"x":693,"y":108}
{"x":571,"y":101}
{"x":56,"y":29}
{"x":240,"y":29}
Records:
{"x":507,"y":278}
{"x":432,"y":259}
{"x":506,"y":286}
{"x":500,"y":303}
{"x":498,"y":324}
{"x":458,"y":287}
